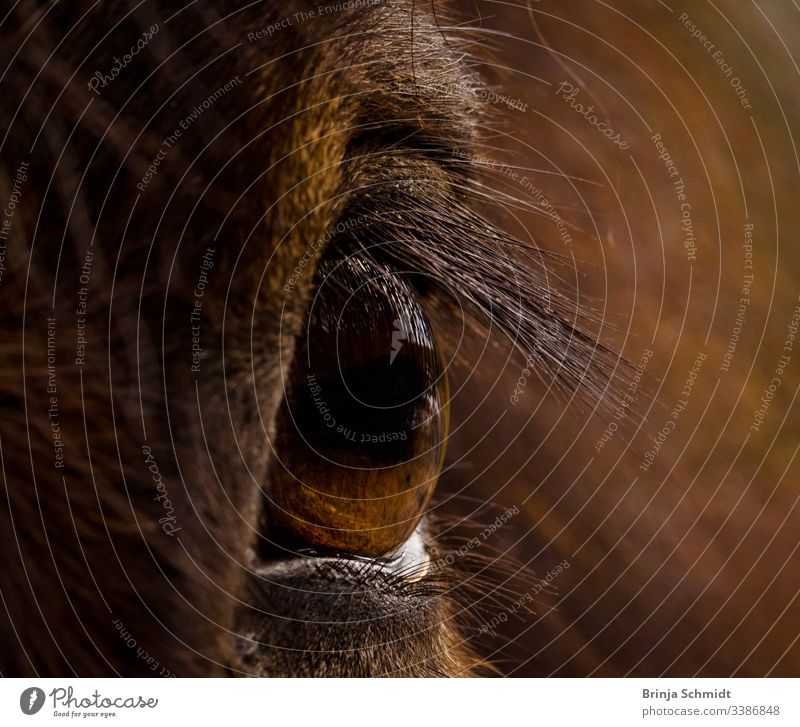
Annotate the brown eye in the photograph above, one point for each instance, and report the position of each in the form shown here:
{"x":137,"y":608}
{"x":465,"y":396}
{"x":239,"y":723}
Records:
{"x":360,"y":435}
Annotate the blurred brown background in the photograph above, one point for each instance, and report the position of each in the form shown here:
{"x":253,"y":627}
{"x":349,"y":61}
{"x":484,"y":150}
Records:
{"x":688,"y":565}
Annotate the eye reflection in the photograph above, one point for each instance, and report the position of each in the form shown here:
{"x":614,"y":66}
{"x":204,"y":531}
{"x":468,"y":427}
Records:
{"x":360,"y":435}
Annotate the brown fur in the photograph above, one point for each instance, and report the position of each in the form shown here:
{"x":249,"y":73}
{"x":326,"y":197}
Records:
{"x":85,"y":564}
{"x":92,"y":554}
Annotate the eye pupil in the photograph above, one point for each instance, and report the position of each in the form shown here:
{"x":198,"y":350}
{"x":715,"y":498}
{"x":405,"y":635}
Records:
{"x":360,"y":436}
{"x":335,"y":419}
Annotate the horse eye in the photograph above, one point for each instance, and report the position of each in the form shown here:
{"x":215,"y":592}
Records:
{"x":361,"y":433}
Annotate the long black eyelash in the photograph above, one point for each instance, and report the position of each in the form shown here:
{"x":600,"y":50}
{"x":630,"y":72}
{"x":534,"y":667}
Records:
{"x":501,"y":280}
{"x":421,"y":192}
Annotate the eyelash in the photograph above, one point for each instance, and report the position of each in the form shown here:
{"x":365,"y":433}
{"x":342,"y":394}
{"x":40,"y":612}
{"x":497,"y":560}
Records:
{"x":492,"y":274}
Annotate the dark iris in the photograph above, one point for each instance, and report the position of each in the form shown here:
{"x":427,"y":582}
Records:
{"x":360,"y":436}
